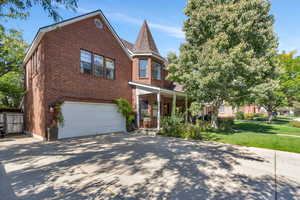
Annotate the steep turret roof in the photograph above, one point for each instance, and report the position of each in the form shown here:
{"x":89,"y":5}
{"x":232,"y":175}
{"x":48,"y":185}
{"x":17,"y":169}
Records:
{"x":145,"y":42}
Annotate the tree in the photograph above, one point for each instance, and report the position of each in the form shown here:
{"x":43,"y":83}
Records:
{"x":229,"y":48}
{"x":19,"y":8}
{"x":12,"y":51}
{"x":290,"y":76}
{"x":11,"y":89}
{"x":269,"y":95}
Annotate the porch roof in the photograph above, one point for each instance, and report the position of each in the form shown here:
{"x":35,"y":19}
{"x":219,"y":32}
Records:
{"x":154,"y":89}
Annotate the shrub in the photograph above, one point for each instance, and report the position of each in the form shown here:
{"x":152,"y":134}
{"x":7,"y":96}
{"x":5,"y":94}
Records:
{"x":204,"y":125}
{"x":240,"y":115}
{"x":226,"y":123}
{"x":125,"y":108}
{"x":259,"y":117}
{"x":295,"y":124}
{"x":249,"y":116}
{"x":172,"y":125}
{"x":191,"y":131}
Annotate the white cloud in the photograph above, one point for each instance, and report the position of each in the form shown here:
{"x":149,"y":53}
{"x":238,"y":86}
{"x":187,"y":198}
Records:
{"x":171,"y":30}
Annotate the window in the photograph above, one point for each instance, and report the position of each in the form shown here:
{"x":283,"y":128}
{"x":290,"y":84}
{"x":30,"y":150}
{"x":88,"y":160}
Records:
{"x":85,"y":62}
{"x":157,"y":71}
{"x":110,"y":68}
{"x":98,"y":24}
{"x":143,"y":68}
{"x":222,"y":109}
{"x":98,"y":65}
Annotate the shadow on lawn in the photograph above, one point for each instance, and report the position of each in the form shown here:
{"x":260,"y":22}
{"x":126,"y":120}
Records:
{"x":122,"y":166}
{"x":255,"y":127}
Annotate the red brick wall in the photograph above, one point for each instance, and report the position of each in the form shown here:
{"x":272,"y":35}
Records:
{"x":63,"y":79}
{"x":149,"y":80}
{"x":35,"y":88}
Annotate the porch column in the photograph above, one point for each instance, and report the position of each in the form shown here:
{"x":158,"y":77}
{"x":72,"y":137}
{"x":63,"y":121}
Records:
{"x":158,"y":110}
{"x":137,"y":99}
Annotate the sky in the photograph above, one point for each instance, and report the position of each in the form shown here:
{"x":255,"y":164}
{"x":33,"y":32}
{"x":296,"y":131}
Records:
{"x":165,"y":18}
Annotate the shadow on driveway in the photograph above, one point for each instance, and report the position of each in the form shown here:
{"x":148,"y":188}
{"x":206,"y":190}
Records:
{"x":120,"y":166}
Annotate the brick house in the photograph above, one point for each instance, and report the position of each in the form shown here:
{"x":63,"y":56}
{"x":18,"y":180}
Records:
{"x":81,"y":65}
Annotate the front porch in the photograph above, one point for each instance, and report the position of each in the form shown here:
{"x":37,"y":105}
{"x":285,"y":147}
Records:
{"x":152,"y":103}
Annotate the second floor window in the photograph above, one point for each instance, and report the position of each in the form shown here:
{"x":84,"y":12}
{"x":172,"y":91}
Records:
{"x":85,"y":62}
{"x":110,"y":68}
{"x":143,"y":68}
{"x":99,"y":65}
{"x":157,"y":71}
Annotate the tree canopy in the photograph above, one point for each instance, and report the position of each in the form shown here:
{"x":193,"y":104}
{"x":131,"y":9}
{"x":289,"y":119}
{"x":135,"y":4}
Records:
{"x":12,"y":51}
{"x":290,"y":76}
{"x":20,"y":8}
{"x":230,"y":47}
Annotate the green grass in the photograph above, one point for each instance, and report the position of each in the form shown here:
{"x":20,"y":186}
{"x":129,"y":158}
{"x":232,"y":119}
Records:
{"x":252,"y":139}
{"x":267,"y":128}
{"x":261,"y":134}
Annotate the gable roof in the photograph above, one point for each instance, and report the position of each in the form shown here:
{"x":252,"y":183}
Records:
{"x":145,"y":42}
{"x":42,"y":31}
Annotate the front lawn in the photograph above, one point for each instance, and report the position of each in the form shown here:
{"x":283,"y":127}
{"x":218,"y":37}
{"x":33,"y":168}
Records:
{"x":252,"y":139}
{"x":263,"y":127}
{"x":260,"y":134}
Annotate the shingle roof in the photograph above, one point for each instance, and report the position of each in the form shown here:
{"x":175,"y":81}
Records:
{"x":145,"y":42}
{"x":128,"y":45}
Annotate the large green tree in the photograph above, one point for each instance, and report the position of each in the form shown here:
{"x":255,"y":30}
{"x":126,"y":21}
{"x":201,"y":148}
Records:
{"x":269,"y":95}
{"x":289,"y":64}
{"x":12,"y":51}
{"x":11,"y":89}
{"x":20,"y":8}
{"x":230,"y":46}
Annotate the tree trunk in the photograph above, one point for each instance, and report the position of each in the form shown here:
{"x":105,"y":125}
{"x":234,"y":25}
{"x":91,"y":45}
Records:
{"x":270,"y":116}
{"x":214,"y":118}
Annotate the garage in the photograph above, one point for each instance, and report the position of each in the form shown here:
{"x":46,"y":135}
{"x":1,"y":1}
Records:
{"x":83,"y":119}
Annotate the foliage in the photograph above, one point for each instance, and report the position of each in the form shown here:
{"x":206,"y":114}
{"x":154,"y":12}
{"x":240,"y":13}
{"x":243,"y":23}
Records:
{"x":240,"y":115}
{"x":125,"y":108}
{"x":294,"y":124}
{"x":269,"y":96}
{"x":290,"y":76}
{"x":12,"y":51}
{"x":259,"y":117}
{"x":191,"y":131}
{"x":58,"y":114}
{"x":230,"y":47}
{"x":172,"y":125}
{"x":225,"y":123}
{"x":11,"y":90}
{"x":20,"y":8}
{"x":249,"y":116}
{"x":196,"y":109}
{"x":175,"y":127}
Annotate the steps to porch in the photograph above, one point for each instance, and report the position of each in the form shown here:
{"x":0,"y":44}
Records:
{"x":147,"y":131}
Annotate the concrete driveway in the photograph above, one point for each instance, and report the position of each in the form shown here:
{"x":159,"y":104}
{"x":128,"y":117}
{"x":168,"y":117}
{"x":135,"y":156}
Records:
{"x":120,"y":166}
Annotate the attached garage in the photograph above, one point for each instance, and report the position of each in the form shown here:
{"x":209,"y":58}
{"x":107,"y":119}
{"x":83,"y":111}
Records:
{"x":83,"y":119}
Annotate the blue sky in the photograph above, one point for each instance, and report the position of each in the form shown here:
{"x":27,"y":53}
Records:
{"x":165,"y":18}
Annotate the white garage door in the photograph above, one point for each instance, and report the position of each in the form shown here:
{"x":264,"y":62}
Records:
{"x":81,"y":119}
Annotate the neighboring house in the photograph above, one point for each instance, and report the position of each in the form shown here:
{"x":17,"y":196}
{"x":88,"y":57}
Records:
{"x":82,"y":64}
{"x":229,"y":111}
